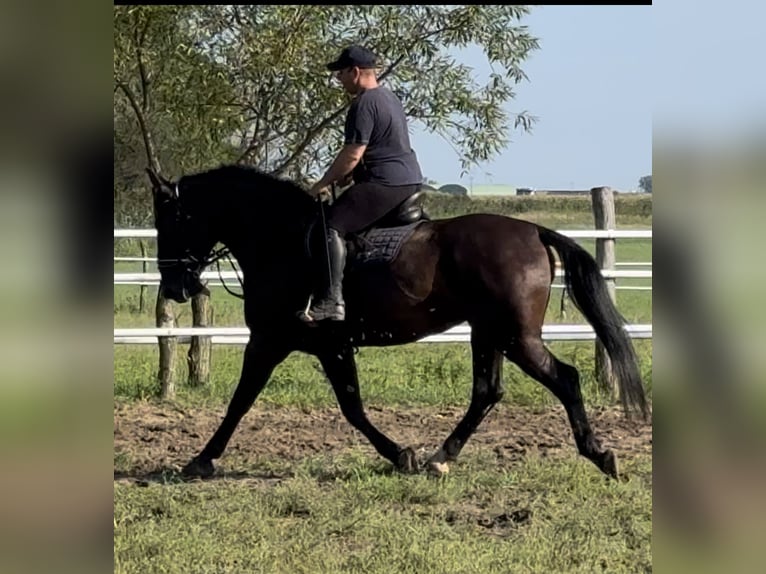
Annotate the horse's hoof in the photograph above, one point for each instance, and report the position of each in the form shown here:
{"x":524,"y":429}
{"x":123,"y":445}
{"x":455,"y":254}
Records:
{"x":407,"y":462}
{"x":198,"y":468}
{"x":437,"y":469}
{"x":608,"y":465}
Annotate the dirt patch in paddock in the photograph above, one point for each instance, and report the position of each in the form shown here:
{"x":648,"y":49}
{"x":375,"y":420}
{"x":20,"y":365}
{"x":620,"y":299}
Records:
{"x":151,"y":438}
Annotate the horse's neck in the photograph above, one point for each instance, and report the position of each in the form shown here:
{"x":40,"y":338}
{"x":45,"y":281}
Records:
{"x":252,"y":231}
{"x":262,"y":250}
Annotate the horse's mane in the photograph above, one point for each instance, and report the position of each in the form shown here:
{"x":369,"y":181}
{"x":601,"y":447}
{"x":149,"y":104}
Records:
{"x":279,"y":195}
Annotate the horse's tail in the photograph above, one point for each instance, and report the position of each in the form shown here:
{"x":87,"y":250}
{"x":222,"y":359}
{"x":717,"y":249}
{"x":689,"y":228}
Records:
{"x":587,"y":288}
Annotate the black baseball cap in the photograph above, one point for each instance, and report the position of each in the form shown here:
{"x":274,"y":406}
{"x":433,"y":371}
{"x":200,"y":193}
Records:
{"x":354,"y":56}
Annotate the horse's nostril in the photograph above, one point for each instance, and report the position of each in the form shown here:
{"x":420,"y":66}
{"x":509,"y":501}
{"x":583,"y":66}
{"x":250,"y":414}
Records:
{"x":173,"y":293}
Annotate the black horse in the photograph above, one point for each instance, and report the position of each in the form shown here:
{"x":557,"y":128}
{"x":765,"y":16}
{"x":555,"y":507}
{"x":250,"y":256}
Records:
{"x":408,"y":278}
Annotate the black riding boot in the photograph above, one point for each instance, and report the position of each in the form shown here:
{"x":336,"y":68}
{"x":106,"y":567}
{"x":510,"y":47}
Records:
{"x":329,"y":303}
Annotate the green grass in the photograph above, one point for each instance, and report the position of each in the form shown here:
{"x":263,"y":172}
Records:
{"x":436,"y":374}
{"x":351,"y":514}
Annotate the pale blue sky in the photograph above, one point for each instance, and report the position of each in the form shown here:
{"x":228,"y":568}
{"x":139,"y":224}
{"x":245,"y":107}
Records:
{"x":591,"y":86}
{"x":709,"y":79}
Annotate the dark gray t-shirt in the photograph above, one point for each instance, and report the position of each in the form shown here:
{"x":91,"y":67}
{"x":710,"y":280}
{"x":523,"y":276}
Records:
{"x":376,"y":118}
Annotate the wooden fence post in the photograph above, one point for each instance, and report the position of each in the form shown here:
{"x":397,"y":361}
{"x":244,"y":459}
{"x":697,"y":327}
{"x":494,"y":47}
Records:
{"x":602,"y":199}
{"x":142,"y":293}
{"x":167,"y":371}
{"x":198,"y":357}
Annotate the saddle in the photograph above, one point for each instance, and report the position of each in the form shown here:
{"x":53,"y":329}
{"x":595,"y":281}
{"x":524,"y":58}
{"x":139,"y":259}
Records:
{"x":381,"y":242}
{"x":409,"y":211}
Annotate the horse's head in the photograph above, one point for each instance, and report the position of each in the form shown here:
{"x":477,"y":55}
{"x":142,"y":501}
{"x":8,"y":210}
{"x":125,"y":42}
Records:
{"x":183,"y":241}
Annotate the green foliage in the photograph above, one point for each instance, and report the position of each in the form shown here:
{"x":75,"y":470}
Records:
{"x":645,"y":183}
{"x":211,"y":84}
{"x":169,"y":103}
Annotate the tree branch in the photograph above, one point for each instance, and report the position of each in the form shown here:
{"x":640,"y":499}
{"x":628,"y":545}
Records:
{"x":139,"y":37}
{"x":255,"y":145}
{"x":151,"y":153}
{"x":310,"y":135}
{"x":414,"y":43}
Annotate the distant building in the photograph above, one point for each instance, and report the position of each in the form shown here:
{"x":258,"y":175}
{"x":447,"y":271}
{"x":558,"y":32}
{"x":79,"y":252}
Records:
{"x":454,"y":189}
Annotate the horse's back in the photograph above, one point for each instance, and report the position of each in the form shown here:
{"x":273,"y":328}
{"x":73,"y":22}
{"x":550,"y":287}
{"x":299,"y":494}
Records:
{"x":484,"y":235}
{"x":449,"y":271}
{"x":486,"y":223}
{"x":494,"y":257}
{"x":479,"y":238}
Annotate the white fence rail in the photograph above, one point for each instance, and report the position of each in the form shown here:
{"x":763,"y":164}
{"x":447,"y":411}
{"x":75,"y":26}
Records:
{"x":574,"y":233}
{"x":461,"y":333}
{"x":153,"y":278}
{"x":154,"y":260}
{"x":458,"y":334}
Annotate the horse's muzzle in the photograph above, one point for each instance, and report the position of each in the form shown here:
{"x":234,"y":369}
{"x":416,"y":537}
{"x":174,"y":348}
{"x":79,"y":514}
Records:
{"x":177,"y":294}
{"x":188,"y":288}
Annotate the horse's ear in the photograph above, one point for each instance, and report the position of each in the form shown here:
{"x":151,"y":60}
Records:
{"x":159,"y":183}
{"x":169,"y":184}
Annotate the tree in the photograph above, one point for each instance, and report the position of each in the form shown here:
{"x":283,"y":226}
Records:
{"x":198,"y":85}
{"x":645,"y":184}
{"x":168,"y":92}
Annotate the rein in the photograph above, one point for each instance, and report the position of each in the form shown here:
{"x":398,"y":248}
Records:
{"x":214,"y":257}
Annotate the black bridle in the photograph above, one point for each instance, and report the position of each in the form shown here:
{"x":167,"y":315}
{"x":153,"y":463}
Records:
{"x":194,"y":265}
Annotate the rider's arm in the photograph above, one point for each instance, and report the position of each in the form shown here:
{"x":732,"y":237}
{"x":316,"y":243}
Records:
{"x":344,"y":164}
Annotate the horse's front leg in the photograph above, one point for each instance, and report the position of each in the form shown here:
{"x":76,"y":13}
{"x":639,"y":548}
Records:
{"x":262,"y":355}
{"x":340,"y":367}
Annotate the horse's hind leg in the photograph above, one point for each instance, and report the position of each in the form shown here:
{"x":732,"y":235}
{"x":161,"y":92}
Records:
{"x":487,"y":392}
{"x":563,"y":381}
{"x":261,"y":357}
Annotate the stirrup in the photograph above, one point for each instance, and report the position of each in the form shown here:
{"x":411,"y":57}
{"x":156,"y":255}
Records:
{"x":337,"y":314}
{"x":303,"y":314}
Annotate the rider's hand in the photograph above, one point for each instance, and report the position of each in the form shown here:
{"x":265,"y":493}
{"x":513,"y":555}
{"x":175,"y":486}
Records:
{"x":346,"y":179}
{"x":321,"y":191}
